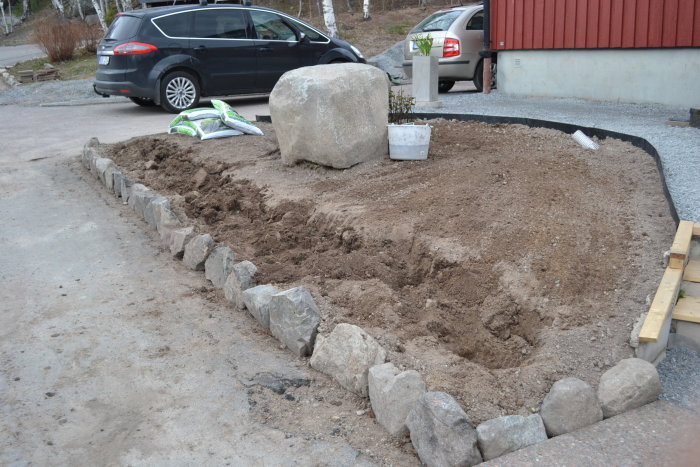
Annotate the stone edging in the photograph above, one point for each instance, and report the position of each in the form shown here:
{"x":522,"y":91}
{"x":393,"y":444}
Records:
{"x":439,"y":429}
{"x":8,"y":78}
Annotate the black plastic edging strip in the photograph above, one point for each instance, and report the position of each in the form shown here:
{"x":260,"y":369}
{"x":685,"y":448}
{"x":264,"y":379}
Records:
{"x":601,"y":133}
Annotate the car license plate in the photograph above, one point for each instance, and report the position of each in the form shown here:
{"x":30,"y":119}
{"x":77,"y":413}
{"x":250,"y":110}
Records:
{"x":103,"y":60}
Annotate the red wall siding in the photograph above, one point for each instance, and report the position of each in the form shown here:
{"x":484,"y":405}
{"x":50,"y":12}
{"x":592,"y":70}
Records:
{"x":590,"y":24}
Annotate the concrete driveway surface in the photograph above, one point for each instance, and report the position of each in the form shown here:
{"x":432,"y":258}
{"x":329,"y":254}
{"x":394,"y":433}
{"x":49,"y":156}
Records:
{"x":108,"y":354}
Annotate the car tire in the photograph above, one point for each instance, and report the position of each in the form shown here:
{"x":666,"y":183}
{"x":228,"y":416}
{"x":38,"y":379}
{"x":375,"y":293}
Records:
{"x":142,"y":101}
{"x":179,"y":91}
{"x":479,"y":77}
{"x":445,"y":85}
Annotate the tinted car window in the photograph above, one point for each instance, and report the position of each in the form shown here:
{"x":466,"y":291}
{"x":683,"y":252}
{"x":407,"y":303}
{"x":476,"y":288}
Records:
{"x":270,"y":26}
{"x":476,"y":23}
{"x":312,"y":34}
{"x":220,"y":24}
{"x":177,"y":25}
{"x":440,"y":21}
{"x":123,"y":27}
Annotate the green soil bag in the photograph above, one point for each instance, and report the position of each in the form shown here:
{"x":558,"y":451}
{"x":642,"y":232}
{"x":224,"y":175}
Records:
{"x":183,"y":128}
{"x":211,"y":128}
{"x":231,"y":118}
{"x":199,"y":113}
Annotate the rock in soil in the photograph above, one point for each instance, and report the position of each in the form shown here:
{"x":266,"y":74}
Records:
{"x":441,"y":433}
{"x":510,"y":433}
{"x":393,"y":393}
{"x":570,"y":404}
{"x":347,"y":354}
{"x":631,"y":383}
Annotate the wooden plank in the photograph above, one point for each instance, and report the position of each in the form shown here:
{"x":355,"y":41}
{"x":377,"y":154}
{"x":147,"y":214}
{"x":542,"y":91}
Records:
{"x":687,"y":309}
{"x":662,"y":305}
{"x":696,"y":227}
{"x":692,"y":271}
{"x":681,"y":245}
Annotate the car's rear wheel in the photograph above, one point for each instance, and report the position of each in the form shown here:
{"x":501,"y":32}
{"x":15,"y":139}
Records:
{"x":142,"y":101}
{"x":179,"y":91}
{"x":479,"y":76}
{"x":445,"y":85}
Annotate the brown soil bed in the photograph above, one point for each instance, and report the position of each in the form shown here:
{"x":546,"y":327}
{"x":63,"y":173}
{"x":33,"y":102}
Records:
{"x":509,"y":259}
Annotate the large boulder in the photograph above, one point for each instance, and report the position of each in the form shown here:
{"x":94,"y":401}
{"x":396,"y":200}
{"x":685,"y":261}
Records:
{"x":631,"y":383}
{"x":393,"y":394}
{"x":294,"y":319}
{"x":441,"y":433}
{"x":570,"y":404}
{"x":346,"y":355}
{"x":333,"y":115}
{"x":507,"y":434}
{"x":242,"y":277}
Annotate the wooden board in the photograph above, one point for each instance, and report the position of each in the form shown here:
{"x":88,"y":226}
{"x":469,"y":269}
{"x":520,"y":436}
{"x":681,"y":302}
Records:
{"x":692,"y":271}
{"x":662,"y":305}
{"x":696,"y":227}
{"x":681,"y":245}
{"x":687,"y":309}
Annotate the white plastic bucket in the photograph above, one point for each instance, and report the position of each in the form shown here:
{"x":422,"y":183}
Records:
{"x":409,"y":141}
{"x":581,"y":138}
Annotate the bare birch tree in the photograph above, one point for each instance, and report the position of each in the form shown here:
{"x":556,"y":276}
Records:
{"x":365,"y":10}
{"x":329,"y":18}
{"x":100,"y":13}
{"x":58,"y":6}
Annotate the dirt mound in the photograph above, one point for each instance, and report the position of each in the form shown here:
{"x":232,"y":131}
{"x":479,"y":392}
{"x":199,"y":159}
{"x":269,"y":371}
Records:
{"x":507,"y":260}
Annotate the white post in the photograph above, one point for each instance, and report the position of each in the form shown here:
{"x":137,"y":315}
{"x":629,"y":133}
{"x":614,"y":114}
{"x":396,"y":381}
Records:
{"x":329,"y":18}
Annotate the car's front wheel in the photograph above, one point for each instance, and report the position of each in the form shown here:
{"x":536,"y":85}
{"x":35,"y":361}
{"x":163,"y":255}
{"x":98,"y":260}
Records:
{"x":445,"y":85}
{"x":179,"y":91}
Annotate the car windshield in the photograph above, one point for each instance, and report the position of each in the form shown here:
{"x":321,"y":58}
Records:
{"x":440,"y":21}
{"x":122,"y":28}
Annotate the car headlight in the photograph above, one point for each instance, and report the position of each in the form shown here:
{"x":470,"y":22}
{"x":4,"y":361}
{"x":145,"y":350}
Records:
{"x":357,"y":51}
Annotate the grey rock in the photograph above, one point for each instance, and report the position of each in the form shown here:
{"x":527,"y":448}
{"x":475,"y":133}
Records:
{"x":90,"y":152}
{"x":570,"y":404}
{"x":197,"y":251}
{"x":346,"y":355}
{"x":242,"y":277}
{"x":631,"y":383}
{"x":102,"y":164}
{"x":393,"y":394}
{"x":441,"y":433}
{"x":139,"y":197}
{"x":507,"y":434}
{"x":117,"y":183}
{"x":218,"y":265}
{"x":346,"y":104}
{"x":154,"y":208}
{"x":179,"y":238}
{"x":126,"y":188}
{"x":109,"y":177}
{"x":166,"y":222}
{"x":294,"y":319}
{"x":257,"y":301}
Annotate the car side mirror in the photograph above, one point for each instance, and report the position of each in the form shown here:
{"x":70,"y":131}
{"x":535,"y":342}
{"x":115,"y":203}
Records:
{"x":303,"y":38}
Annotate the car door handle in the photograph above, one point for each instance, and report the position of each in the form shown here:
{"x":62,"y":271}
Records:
{"x":265,"y":50}
{"x":200,"y":49}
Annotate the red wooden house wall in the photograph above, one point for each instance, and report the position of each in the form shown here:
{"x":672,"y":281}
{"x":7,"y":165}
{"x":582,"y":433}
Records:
{"x":594,"y":24}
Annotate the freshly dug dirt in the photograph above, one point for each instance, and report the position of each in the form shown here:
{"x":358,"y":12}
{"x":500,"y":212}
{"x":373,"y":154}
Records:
{"x":509,"y":259}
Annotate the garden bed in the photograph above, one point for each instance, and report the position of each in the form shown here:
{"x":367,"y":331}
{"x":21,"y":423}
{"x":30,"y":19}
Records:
{"x":509,"y":259}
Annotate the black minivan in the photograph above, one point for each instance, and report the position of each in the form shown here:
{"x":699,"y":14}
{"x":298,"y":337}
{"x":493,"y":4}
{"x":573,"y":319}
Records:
{"x":172,"y":56}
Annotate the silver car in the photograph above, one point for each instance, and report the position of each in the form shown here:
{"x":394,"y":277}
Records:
{"x":458,"y":35}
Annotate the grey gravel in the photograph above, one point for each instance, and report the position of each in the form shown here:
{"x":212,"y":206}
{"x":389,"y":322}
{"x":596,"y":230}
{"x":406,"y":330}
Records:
{"x":680,"y":377}
{"x":75,"y":92}
{"x":678,"y":148}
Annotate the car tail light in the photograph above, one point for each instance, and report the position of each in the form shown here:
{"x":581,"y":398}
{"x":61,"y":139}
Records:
{"x":450,"y":48}
{"x":134,"y":48}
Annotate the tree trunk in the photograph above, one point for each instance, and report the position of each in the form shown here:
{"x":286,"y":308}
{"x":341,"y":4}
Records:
{"x":25,"y":9}
{"x":80,"y":9}
{"x":329,"y":18}
{"x":365,"y":10}
{"x":301,"y":6}
{"x":58,"y":5}
{"x":100,"y":14}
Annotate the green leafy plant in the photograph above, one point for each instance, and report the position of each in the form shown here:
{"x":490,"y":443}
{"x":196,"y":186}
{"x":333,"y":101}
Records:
{"x":400,"y":107}
{"x":424,"y":44}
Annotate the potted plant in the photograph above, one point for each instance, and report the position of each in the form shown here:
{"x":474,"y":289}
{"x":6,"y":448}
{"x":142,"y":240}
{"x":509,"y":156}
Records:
{"x":407,"y":141}
{"x":425,"y":72}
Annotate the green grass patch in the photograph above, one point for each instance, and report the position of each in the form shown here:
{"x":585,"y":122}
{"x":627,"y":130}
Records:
{"x":82,"y":66}
{"x":399,"y":29}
